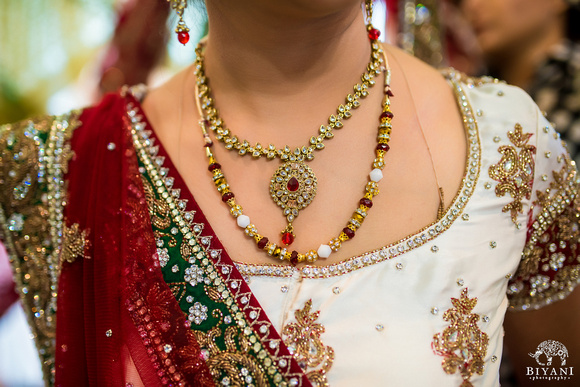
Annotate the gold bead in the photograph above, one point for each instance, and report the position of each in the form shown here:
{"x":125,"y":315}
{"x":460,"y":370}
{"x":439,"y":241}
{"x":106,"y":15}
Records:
{"x":358,"y":217}
{"x":335,"y":244}
{"x":343,"y":237}
{"x":276,"y":253}
{"x":311,"y":256}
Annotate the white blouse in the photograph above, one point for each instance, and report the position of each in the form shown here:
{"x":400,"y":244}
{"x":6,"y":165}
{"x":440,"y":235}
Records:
{"x":429,"y":309}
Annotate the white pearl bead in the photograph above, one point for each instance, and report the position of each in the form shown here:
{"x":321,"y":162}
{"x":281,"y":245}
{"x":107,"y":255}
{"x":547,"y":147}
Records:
{"x":243,"y":221}
{"x":376,"y":175}
{"x":324,"y":251}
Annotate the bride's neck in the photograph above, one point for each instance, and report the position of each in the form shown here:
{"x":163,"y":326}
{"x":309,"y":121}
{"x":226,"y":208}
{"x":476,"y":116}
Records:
{"x":258,"y":49}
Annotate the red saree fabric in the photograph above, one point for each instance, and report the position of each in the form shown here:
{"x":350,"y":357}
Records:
{"x":115,"y":298}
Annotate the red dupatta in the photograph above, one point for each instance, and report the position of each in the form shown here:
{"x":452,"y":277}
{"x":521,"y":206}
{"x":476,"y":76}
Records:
{"x":114,"y":307}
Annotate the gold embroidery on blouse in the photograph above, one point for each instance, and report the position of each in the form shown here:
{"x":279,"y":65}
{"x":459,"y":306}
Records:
{"x":34,"y":156}
{"x":549,"y":267}
{"x":462,"y":344}
{"x":231,"y":360}
{"x":303,"y":341}
{"x":515,"y":171}
{"x":74,"y":243}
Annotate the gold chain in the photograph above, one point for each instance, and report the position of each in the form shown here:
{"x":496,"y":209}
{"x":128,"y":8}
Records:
{"x":304,"y":153}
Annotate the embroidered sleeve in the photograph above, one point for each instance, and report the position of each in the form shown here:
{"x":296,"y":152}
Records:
{"x":33,"y":160}
{"x":549,"y":266}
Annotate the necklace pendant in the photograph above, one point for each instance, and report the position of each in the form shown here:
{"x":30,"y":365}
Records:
{"x":292,"y":187}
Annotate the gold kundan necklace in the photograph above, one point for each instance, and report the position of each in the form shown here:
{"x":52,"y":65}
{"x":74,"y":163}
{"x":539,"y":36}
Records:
{"x":293,"y":184}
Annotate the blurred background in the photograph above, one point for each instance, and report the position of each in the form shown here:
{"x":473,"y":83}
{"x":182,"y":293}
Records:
{"x":58,"y":55}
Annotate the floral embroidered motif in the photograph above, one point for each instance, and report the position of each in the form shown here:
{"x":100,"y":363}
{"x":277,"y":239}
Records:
{"x":74,"y":243}
{"x":515,"y":171}
{"x":240,"y":367}
{"x":462,"y":344}
{"x":303,"y":341}
{"x":549,"y":267}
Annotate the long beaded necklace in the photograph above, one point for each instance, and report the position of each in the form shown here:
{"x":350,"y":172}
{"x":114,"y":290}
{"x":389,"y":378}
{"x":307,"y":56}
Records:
{"x":371,"y":188}
{"x":293,"y":184}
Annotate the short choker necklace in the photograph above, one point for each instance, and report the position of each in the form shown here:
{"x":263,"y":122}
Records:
{"x":294,"y":167}
{"x":293,"y":184}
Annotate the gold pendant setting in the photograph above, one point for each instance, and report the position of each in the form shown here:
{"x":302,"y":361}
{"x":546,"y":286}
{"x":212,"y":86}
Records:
{"x":292,"y":187}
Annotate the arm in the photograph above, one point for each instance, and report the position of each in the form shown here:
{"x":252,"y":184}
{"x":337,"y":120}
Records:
{"x":544,"y":304}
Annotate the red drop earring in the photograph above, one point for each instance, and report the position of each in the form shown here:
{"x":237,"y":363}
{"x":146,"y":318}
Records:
{"x":373,"y":32}
{"x":181,"y":30}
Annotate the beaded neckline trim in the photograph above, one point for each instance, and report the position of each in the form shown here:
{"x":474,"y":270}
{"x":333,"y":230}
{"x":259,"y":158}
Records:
{"x":413,"y":241}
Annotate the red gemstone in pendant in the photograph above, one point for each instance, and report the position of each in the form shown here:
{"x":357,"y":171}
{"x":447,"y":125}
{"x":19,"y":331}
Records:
{"x":293,"y":184}
{"x":213,"y":166}
{"x":287,"y":238}
{"x":183,"y":37}
{"x":374,"y":34}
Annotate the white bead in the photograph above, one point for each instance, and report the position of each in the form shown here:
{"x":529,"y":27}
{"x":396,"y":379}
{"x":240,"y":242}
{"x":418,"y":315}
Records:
{"x":376,"y":175}
{"x":324,"y":251}
{"x":243,"y":221}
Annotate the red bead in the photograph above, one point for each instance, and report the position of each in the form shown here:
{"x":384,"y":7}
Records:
{"x":387,"y":114}
{"x":383,"y":147}
{"x":213,"y":166}
{"x":208,"y":144}
{"x":366,"y":202}
{"x":390,"y":93}
{"x":293,"y":184}
{"x":183,"y":37}
{"x":374,"y":34}
{"x":349,"y":233}
{"x":287,"y":238}
{"x":294,"y":258}
{"x":263,"y":242}
{"x":227,"y":196}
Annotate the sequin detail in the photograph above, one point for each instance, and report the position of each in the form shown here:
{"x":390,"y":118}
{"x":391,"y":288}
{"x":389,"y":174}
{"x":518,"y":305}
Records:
{"x":304,"y":343}
{"x":74,"y":243}
{"x":462,"y":344}
{"x":515,"y":171}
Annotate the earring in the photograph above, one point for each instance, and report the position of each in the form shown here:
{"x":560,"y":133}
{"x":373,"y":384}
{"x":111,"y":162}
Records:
{"x":181,"y":30}
{"x":373,"y":32}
